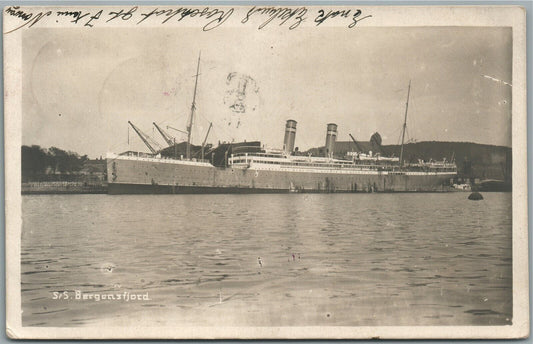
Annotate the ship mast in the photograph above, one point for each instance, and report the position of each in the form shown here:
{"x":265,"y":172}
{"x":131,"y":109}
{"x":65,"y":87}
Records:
{"x":193,"y":107}
{"x":405,"y":123}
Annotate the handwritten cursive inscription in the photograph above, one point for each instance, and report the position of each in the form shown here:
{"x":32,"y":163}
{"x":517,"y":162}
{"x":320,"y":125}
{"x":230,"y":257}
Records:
{"x":323,"y":16}
{"x":29,"y":19}
{"x":209,"y":17}
{"x":220,"y":16}
{"x":75,"y":15}
{"x":295,"y":15}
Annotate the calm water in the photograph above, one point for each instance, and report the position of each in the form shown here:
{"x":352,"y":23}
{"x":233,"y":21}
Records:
{"x":359,"y":259}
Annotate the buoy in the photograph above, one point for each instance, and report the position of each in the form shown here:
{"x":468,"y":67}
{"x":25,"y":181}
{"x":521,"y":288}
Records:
{"x":475,"y":196}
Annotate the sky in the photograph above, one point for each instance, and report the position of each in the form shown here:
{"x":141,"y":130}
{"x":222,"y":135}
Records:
{"x":81,"y":87}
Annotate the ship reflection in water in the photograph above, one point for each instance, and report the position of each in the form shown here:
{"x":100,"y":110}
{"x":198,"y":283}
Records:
{"x":324,"y":259}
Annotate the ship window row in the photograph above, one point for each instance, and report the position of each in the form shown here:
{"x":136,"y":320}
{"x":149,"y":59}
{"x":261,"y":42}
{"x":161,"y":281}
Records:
{"x":263,"y":155}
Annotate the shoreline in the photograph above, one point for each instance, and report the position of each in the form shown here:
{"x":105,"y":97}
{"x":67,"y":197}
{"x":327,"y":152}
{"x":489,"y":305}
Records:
{"x":51,"y":188}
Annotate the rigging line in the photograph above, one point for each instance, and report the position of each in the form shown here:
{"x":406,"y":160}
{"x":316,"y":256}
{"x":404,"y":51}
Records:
{"x":166,"y":120}
{"x":152,"y":140}
{"x":118,"y":144}
{"x":305,"y":141}
{"x":392,"y":133}
{"x":202,"y":116}
{"x":412,"y":123}
{"x":222,"y":128}
{"x":399,"y":138}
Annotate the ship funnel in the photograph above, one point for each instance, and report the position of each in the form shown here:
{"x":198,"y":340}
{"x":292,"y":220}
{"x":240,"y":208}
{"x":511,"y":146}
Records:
{"x":331,"y":137}
{"x":290,"y":136}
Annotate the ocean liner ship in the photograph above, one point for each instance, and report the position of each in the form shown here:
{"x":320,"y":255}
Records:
{"x":248,"y":167}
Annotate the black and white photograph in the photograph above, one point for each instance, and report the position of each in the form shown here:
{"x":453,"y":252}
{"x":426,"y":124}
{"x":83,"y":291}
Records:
{"x":278,"y":172}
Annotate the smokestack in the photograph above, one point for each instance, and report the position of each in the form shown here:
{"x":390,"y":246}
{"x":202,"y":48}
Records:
{"x":331,"y":137}
{"x":290,"y":136}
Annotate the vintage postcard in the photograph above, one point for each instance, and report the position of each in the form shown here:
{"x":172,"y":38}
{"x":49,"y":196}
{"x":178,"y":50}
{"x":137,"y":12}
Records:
{"x":280,"y":172}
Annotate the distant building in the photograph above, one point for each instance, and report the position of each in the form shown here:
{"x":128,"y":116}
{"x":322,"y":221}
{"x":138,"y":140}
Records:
{"x":94,"y":167}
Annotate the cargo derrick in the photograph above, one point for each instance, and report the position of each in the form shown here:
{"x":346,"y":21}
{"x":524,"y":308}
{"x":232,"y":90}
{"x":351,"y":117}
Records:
{"x":205,"y":140}
{"x":143,"y":137}
{"x":168,"y":139}
{"x":356,"y":144}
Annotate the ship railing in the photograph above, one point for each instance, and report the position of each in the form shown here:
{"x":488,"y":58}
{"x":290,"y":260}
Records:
{"x":316,"y":165}
{"x":155,"y":158}
{"x":137,"y":154}
{"x":258,"y":154}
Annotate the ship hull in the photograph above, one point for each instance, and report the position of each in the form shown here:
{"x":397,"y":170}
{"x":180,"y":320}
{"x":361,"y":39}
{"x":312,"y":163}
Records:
{"x":131,"y":175}
{"x":138,"y":189}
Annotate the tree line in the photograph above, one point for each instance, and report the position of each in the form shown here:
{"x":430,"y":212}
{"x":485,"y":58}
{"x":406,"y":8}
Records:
{"x":36,"y":160}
